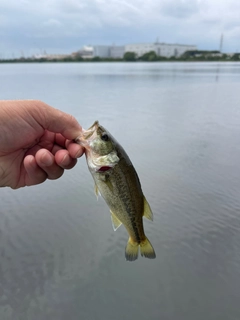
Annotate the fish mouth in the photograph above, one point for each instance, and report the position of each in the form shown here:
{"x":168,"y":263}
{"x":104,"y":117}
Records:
{"x":104,"y":169}
{"x":88,"y":135}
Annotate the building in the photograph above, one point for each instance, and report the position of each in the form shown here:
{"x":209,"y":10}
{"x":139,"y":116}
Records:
{"x":117,"y":52}
{"x":108,"y":51}
{"x":86,"y":53}
{"x":161,"y":49}
{"x":50,"y":56}
{"x":101,"y":51}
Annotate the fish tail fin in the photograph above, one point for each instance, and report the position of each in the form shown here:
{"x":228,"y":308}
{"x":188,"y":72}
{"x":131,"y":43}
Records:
{"x":131,"y":251}
{"x":147,"y":250}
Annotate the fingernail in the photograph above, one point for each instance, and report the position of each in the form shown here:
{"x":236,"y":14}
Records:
{"x":47,"y":160}
{"x":65,"y":160}
{"x":79,"y":153}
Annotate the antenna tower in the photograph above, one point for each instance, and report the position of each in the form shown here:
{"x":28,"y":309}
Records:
{"x":221,"y":43}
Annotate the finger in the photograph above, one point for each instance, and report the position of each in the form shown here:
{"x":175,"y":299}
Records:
{"x":64,"y":160}
{"x":60,"y":140}
{"x":47,"y":140}
{"x":46,"y":162}
{"x":56,"y":148}
{"x":75,"y":150}
{"x":35,"y":174}
{"x":53,"y":119}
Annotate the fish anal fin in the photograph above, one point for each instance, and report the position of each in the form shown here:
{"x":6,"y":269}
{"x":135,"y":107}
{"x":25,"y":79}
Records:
{"x":131,"y":251}
{"x":116,"y":223}
{"x":147,"y":212}
{"x":147,"y":250}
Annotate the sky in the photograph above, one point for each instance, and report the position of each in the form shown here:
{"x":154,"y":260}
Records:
{"x":63,"y":26}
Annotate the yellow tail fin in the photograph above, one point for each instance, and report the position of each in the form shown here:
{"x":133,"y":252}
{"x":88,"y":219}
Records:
{"x":147,"y":249}
{"x":131,"y":251}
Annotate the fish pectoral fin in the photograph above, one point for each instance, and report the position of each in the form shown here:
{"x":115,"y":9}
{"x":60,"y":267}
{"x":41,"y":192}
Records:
{"x":97,"y":193}
{"x":105,"y":178}
{"x":116,"y":223}
{"x":108,"y":183}
{"x":131,"y":251}
{"x":147,"y":250}
{"x":147,"y":212}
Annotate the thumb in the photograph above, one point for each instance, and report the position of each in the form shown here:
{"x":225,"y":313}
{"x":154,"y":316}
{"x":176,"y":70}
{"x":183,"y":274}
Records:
{"x":53,"y":119}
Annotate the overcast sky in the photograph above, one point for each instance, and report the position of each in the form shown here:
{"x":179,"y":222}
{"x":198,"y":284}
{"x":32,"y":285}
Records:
{"x":64,"y":26}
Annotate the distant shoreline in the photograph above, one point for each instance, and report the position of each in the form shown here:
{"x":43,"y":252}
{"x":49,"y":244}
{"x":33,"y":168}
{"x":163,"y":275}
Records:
{"x":151,"y":56}
{"x":112,"y":60}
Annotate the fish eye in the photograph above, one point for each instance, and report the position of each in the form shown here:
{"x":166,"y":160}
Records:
{"x":104,"y":136}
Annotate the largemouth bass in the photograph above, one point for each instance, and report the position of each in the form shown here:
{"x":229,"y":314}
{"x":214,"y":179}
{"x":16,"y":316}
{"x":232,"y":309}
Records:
{"x":117,"y":181}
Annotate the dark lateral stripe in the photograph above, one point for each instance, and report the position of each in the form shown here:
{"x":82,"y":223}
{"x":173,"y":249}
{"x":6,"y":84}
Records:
{"x":126,"y":202}
{"x":135,"y":228}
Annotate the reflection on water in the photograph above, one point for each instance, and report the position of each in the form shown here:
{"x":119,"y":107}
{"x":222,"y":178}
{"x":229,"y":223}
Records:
{"x":60,"y":258}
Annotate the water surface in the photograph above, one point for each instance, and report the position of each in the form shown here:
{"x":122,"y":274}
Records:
{"x":179,"y":123}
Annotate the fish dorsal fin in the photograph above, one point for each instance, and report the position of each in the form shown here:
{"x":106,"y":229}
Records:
{"x":116,"y":223}
{"x":147,"y":212}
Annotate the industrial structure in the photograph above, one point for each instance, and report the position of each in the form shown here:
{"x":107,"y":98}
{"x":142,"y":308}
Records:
{"x":101,"y":51}
{"x":86,"y":53}
{"x":161,"y":49}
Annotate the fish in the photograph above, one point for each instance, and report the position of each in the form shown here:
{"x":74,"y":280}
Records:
{"x":116,"y":180}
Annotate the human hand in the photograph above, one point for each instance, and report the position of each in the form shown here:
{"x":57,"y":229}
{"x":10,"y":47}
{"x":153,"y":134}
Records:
{"x":36,"y":143}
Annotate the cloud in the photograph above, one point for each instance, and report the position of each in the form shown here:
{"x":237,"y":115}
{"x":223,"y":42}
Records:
{"x":179,"y":8}
{"x":3,"y":20}
{"x":69,"y":24}
{"x":72,"y":6}
{"x":52,"y":23}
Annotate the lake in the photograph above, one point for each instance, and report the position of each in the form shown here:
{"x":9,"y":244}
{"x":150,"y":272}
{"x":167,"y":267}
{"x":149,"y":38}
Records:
{"x":180,"y":125}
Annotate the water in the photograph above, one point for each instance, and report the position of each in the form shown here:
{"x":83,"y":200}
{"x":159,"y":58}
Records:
{"x":179,"y":123}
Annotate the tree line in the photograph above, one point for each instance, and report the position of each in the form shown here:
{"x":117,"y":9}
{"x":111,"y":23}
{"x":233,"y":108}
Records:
{"x":150,"y":56}
{"x":196,"y":55}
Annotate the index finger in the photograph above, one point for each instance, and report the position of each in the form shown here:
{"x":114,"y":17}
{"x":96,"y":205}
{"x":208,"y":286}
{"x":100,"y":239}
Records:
{"x":75,"y":150}
{"x":53,"y":119}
